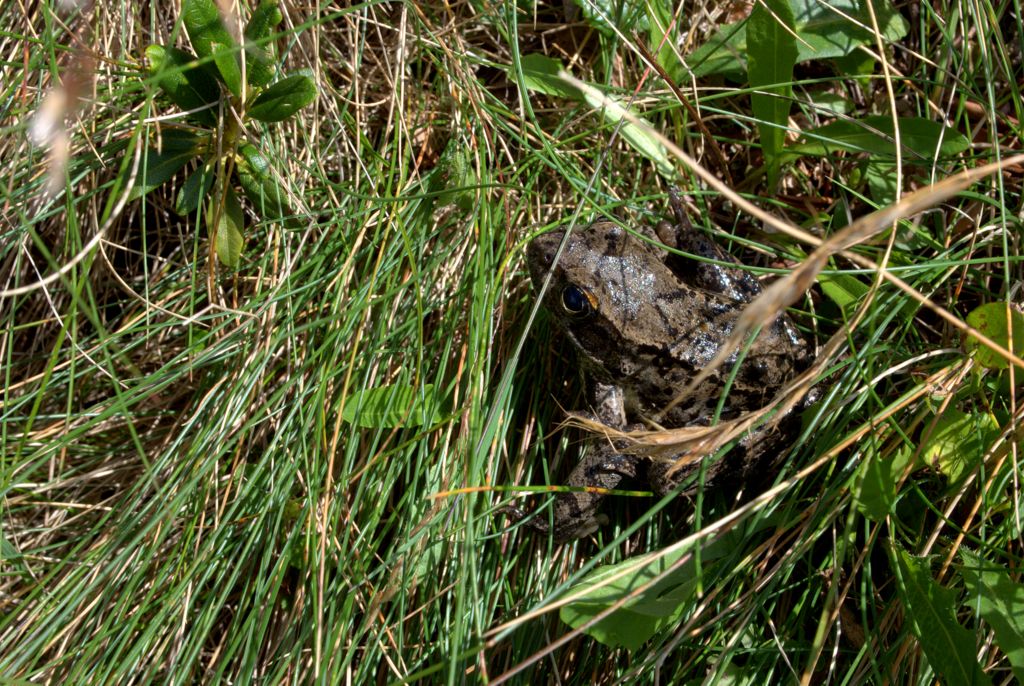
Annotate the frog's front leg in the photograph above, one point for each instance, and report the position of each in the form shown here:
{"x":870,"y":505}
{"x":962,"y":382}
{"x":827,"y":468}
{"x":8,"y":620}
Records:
{"x":575,"y":514}
{"x":733,"y":282}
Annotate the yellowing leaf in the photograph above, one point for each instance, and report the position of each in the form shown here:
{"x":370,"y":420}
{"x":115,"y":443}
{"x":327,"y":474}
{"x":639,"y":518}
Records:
{"x":995,"y":320}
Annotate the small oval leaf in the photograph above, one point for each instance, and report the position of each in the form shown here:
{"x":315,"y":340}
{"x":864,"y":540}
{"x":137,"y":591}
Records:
{"x":264,"y":18}
{"x":283,"y":99}
{"x":228,"y":67}
{"x":268,"y":198}
{"x":167,"y":154}
{"x":205,"y":26}
{"x":259,"y":59}
{"x":393,"y":406}
{"x":177,"y":73}
{"x":193,"y":190}
{"x":227,"y":235}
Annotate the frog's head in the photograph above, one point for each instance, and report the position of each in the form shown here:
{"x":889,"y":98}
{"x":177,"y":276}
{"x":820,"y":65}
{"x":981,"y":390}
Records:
{"x":604,"y":291}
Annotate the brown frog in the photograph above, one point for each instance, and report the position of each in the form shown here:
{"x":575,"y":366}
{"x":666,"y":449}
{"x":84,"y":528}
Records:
{"x":645,"y":322}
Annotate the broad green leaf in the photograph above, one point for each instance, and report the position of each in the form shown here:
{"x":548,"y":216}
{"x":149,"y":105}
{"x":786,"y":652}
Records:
{"x":641,"y":141}
{"x":881,"y":179}
{"x":857,"y":63}
{"x":541,"y":74}
{"x":228,"y":66}
{"x":261,"y":188}
{"x":205,"y":26}
{"x":457,"y":176}
{"x":723,"y":54}
{"x":388,"y":407}
{"x":922,"y":140}
{"x":828,"y":33}
{"x":845,"y":290}
{"x":614,"y":17}
{"x":283,"y":99}
{"x":654,"y":608}
{"x":930,"y":610}
{"x":194,"y":190}
{"x":995,"y":320}
{"x":228,"y":235}
{"x":635,"y":622}
{"x":259,"y":66}
{"x":546,"y":75}
{"x":998,"y":600}
{"x":771,"y":54}
{"x":876,"y":493}
{"x":259,"y":61}
{"x":826,"y":30}
{"x":165,"y":156}
{"x":659,"y":17}
{"x":958,"y":442}
{"x":833,"y":103}
{"x":178,"y":75}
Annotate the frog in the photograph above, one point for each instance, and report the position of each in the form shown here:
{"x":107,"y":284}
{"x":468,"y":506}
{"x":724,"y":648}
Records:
{"x":645,"y":320}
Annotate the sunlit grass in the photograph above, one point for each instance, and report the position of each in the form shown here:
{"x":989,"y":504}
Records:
{"x":183,"y":500}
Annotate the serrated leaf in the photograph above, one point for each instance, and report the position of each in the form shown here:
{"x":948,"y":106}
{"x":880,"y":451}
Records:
{"x":205,"y":26}
{"x":995,"y":321}
{"x":255,"y":177}
{"x":771,"y":54}
{"x":930,"y":610}
{"x":283,"y":99}
{"x":165,"y":157}
{"x":826,"y":30}
{"x":959,"y":441}
{"x":388,"y":407}
{"x":195,"y":188}
{"x":228,"y":235}
{"x":922,"y":140}
{"x":177,"y":73}
{"x":876,"y":494}
{"x":998,"y":600}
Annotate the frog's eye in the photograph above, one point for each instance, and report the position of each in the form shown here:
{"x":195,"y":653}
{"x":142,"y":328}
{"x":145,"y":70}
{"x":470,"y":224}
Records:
{"x":576,"y":301}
